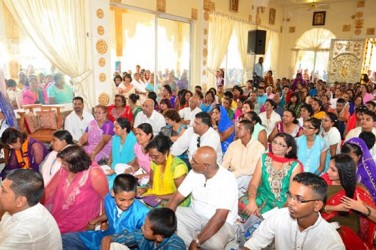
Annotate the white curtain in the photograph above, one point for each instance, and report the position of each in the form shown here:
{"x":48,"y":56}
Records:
{"x":247,"y":59}
{"x":315,"y":39}
{"x":272,"y":50}
{"x":58,"y":29}
{"x":220,"y":30}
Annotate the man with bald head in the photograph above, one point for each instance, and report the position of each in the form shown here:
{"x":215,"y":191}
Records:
{"x":188,"y":113}
{"x":209,"y":222}
{"x":149,"y":115}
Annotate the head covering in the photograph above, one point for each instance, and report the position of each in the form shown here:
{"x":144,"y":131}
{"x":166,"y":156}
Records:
{"x":366,"y":171}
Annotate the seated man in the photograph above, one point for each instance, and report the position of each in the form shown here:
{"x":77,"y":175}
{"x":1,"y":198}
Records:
{"x":122,"y":212}
{"x":149,"y":115}
{"x":188,"y":113}
{"x":158,"y":232}
{"x":26,"y":223}
{"x":242,"y":155}
{"x":214,"y":206}
{"x":78,"y":120}
{"x":200,"y":134}
{"x":290,"y":226}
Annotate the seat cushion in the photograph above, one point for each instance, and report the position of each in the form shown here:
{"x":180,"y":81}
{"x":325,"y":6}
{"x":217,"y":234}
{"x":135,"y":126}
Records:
{"x":47,"y":119}
{"x":31,"y":123}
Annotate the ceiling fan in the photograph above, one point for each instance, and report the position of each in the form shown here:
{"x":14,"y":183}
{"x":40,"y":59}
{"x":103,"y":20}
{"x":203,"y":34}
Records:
{"x":316,"y":5}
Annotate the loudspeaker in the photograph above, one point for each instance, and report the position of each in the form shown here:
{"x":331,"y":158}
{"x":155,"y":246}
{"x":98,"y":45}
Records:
{"x":256,"y":42}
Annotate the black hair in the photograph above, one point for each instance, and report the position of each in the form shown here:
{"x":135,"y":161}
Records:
{"x":172,"y":114}
{"x":134,"y":97}
{"x":297,"y":95}
{"x":295,"y":121}
{"x":127,"y":76}
{"x":213,"y":90}
{"x":163,"y":221}
{"x":124,"y":124}
{"x":370,"y":103}
{"x":361,"y":109}
{"x":370,"y":113}
{"x":319,"y":102}
{"x":248,"y":125}
{"x":117,"y":77}
{"x":28,"y":183}
{"x":11,"y":83}
{"x":272,"y":102}
{"x":205,"y":118}
{"x":346,"y":172}
{"x":161,"y":143}
{"x":238,"y":88}
{"x":333,"y":117}
{"x":168,"y":88}
{"x":125,"y":183}
{"x":152,"y":95}
{"x":165,"y":101}
{"x":78,"y":98}
{"x":369,"y":138}
{"x":210,"y":93}
{"x":290,"y":142}
{"x":254,"y":117}
{"x":308,"y":108}
{"x":316,"y":123}
{"x":347,"y":147}
{"x":147,"y":129}
{"x":198,"y":87}
{"x":64,"y":135}
{"x":228,"y":94}
{"x":10,"y":135}
{"x":249,"y":103}
{"x":315,"y":182}
{"x":183,"y":101}
{"x":76,"y":158}
{"x":341,"y":100}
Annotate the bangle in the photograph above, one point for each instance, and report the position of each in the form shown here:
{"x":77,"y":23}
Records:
{"x":324,"y":208}
{"x":368,"y":212}
{"x":197,"y":241}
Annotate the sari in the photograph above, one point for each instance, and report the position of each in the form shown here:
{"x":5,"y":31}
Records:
{"x":113,"y":115}
{"x":74,"y":203}
{"x":366,"y":170}
{"x":163,"y":181}
{"x":95,"y":135}
{"x":351,"y":239}
{"x":31,"y":97}
{"x":274,"y":185}
{"x":225,"y":123}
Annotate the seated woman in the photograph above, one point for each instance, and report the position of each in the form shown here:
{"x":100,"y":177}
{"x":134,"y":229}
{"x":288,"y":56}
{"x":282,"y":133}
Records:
{"x":271,"y":180}
{"x":306,"y":112}
{"x":119,"y":109}
{"x":167,"y":172}
{"x":294,"y":104}
{"x":365,"y":165}
{"x":25,"y":152}
{"x":75,"y":194}
{"x":224,"y":126}
{"x":122,"y":150}
{"x":48,"y":168}
{"x":134,"y":104}
{"x":312,"y":148}
{"x":175,"y":127}
{"x":164,"y":105}
{"x":269,"y":117}
{"x":126,"y":88}
{"x":34,"y":93}
{"x":259,"y":131}
{"x":331,"y":136}
{"x":208,"y":103}
{"x":357,"y":231}
{"x":141,"y":163}
{"x":98,"y":135}
{"x":318,"y":108}
{"x":289,"y":125}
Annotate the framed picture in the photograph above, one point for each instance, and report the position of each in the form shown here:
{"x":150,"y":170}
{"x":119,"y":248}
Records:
{"x":234,"y":5}
{"x":318,"y":18}
{"x":272,"y":16}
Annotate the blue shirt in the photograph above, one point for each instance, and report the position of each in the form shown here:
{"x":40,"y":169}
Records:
{"x":137,"y":240}
{"x":131,"y":219}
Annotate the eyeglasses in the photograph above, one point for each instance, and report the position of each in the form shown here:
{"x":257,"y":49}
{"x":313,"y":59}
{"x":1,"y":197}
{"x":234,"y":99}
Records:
{"x":279,"y":144}
{"x":299,"y":199}
{"x":198,"y":141}
{"x":308,"y":127}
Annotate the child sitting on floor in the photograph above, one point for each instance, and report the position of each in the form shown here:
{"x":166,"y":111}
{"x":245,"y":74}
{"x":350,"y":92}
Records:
{"x":122,"y":212}
{"x":158,"y":232}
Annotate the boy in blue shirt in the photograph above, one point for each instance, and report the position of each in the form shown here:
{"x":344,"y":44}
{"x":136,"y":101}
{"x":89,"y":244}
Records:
{"x":122,"y":212}
{"x":158,"y":232}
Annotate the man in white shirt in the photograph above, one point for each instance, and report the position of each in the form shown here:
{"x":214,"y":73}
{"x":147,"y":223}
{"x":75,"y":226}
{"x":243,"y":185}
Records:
{"x":242,"y":155}
{"x":78,"y":120}
{"x":259,"y":71}
{"x":188,"y":113}
{"x":149,"y":115}
{"x":26,"y":224}
{"x":299,"y":225}
{"x":209,"y":221}
{"x":200,"y":134}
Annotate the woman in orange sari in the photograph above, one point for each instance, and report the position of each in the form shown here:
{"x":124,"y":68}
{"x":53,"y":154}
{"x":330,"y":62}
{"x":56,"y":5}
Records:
{"x":357,"y":230}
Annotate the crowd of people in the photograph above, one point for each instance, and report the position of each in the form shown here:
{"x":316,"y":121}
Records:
{"x":164,"y":167}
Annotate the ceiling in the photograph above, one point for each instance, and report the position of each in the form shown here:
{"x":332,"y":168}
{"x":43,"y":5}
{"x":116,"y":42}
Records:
{"x":305,"y":2}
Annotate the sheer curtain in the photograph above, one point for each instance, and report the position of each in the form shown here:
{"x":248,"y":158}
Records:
{"x":247,"y":60}
{"x":220,"y":30}
{"x":272,"y":49}
{"x":58,"y":29}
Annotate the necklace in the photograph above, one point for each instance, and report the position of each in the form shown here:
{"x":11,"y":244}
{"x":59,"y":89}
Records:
{"x":296,"y":239}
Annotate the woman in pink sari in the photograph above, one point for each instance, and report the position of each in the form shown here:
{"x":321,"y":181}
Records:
{"x":75,"y":194}
{"x":97,"y":138}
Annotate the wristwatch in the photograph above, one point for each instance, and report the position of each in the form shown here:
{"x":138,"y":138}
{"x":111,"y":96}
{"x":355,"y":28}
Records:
{"x":197,"y":242}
